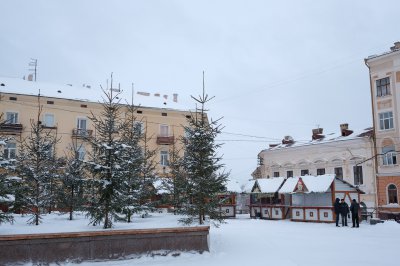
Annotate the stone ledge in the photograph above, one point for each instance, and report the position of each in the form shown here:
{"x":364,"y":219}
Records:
{"x":100,"y":245}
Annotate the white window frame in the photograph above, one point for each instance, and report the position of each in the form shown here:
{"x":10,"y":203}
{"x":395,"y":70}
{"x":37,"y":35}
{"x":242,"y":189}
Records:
{"x":358,"y":178}
{"x":78,"y":124}
{"x":140,"y":124}
{"x":387,"y":193}
{"x":52,"y":124}
{"x":386,"y":120}
{"x":164,"y":156}
{"x":383,"y":90}
{"x":389,"y":155}
{"x":81,"y":152}
{"x":10,"y":152}
{"x":15,"y":117}
{"x":164,"y":132}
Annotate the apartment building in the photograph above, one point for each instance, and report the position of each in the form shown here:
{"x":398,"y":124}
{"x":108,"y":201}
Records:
{"x":384,"y":74}
{"x":344,"y":154}
{"x":66,"y":112}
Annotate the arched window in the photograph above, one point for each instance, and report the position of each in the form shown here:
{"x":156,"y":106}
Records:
{"x":392,"y":194}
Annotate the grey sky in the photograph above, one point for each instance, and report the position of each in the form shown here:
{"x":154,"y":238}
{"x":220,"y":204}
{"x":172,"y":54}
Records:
{"x":275,"y":67}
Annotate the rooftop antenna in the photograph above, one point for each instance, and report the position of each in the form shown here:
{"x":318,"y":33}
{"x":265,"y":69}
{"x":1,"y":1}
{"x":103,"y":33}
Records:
{"x":33,"y":63}
{"x":133,"y":91}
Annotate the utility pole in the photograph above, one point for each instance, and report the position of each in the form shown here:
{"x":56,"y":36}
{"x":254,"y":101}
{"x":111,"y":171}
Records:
{"x":33,"y":63}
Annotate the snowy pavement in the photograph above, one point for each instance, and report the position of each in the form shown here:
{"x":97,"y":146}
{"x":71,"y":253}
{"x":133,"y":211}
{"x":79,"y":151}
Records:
{"x":244,"y":241}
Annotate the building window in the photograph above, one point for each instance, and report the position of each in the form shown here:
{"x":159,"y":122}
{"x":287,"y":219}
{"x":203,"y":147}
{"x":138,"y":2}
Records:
{"x":358,"y":175}
{"x":304,"y":172}
{"x":289,"y":174}
{"x":383,"y":87}
{"x":164,"y":158}
{"x":49,"y":120}
{"x":80,"y":153}
{"x":11,"y":118}
{"x":389,"y":155}
{"x":320,"y":171}
{"x":138,"y":127}
{"x":276,"y":174}
{"x":392,"y":194}
{"x":164,"y":130}
{"x":386,"y":120}
{"x":10,"y":151}
{"x":339,"y":172}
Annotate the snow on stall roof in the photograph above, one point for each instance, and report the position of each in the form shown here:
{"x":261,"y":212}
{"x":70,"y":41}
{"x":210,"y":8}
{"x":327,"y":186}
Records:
{"x":233,"y":186}
{"x":270,"y":185}
{"x":328,"y":138}
{"x":315,"y":184}
{"x":144,"y":98}
{"x":248,"y":186}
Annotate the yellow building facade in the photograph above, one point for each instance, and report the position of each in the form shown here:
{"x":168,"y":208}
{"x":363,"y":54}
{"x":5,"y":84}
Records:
{"x":66,"y":111}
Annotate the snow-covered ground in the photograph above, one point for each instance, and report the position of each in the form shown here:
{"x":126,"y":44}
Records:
{"x":244,"y":241}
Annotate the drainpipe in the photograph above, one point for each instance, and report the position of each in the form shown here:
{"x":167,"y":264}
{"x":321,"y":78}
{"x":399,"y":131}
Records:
{"x":375,"y":151}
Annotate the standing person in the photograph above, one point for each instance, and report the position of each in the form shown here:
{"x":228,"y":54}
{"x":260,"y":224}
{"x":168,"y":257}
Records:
{"x":337,"y":210}
{"x":344,"y":211}
{"x":354,"y":208}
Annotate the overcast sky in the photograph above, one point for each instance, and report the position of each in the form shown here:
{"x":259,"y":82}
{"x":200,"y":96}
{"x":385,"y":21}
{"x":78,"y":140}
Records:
{"x":275,"y":68}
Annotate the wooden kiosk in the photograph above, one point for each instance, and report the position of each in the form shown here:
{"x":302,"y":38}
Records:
{"x":312,"y":197}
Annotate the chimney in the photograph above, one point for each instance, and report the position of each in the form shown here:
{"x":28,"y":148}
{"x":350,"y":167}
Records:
{"x":287,"y":140}
{"x":344,"y":129}
{"x":395,"y":47}
{"x":317,"y":133}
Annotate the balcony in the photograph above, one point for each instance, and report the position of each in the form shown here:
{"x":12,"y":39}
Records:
{"x":165,"y":140}
{"x":82,"y":133}
{"x":11,"y":129}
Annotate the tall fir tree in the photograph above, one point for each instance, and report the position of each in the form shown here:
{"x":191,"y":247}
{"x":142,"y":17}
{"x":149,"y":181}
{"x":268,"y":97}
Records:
{"x":106,"y":162}
{"x":7,"y":196}
{"x":205,"y":175}
{"x":71,"y":188}
{"x":35,"y":165}
{"x":132,"y":162}
{"x":148,"y":176}
{"x":176,"y":183}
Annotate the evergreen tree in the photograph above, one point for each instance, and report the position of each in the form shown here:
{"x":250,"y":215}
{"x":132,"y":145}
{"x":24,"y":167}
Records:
{"x":176,"y":183}
{"x":35,"y":165}
{"x":132,"y":161}
{"x":202,"y":166}
{"x":70,"y":191}
{"x":147,"y":172}
{"x":7,"y":196}
{"x":106,"y":162}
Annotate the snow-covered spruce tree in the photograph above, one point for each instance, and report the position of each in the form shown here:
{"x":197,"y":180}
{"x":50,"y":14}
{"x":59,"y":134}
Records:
{"x":176,"y":183}
{"x":131,"y":163}
{"x":204,"y":170}
{"x":106,"y":162}
{"x":71,"y":189}
{"x":35,"y":165}
{"x":6,"y":192}
{"x":148,"y":176}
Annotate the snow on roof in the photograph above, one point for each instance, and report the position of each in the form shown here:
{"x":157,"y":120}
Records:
{"x":328,"y":138}
{"x":233,"y":186}
{"x":316,"y":184}
{"x":270,"y":185}
{"x":7,"y":198}
{"x":248,"y":186}
{"x":88,"y":93}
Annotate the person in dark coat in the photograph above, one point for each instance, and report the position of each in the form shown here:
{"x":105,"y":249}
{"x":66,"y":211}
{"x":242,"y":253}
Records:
{"x":354,"y":209}
{"x":344,"y":211}
{"x":337,"y":210}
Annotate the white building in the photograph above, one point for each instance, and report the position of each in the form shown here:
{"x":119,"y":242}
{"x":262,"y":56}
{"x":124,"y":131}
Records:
{"x":347,"y":155}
